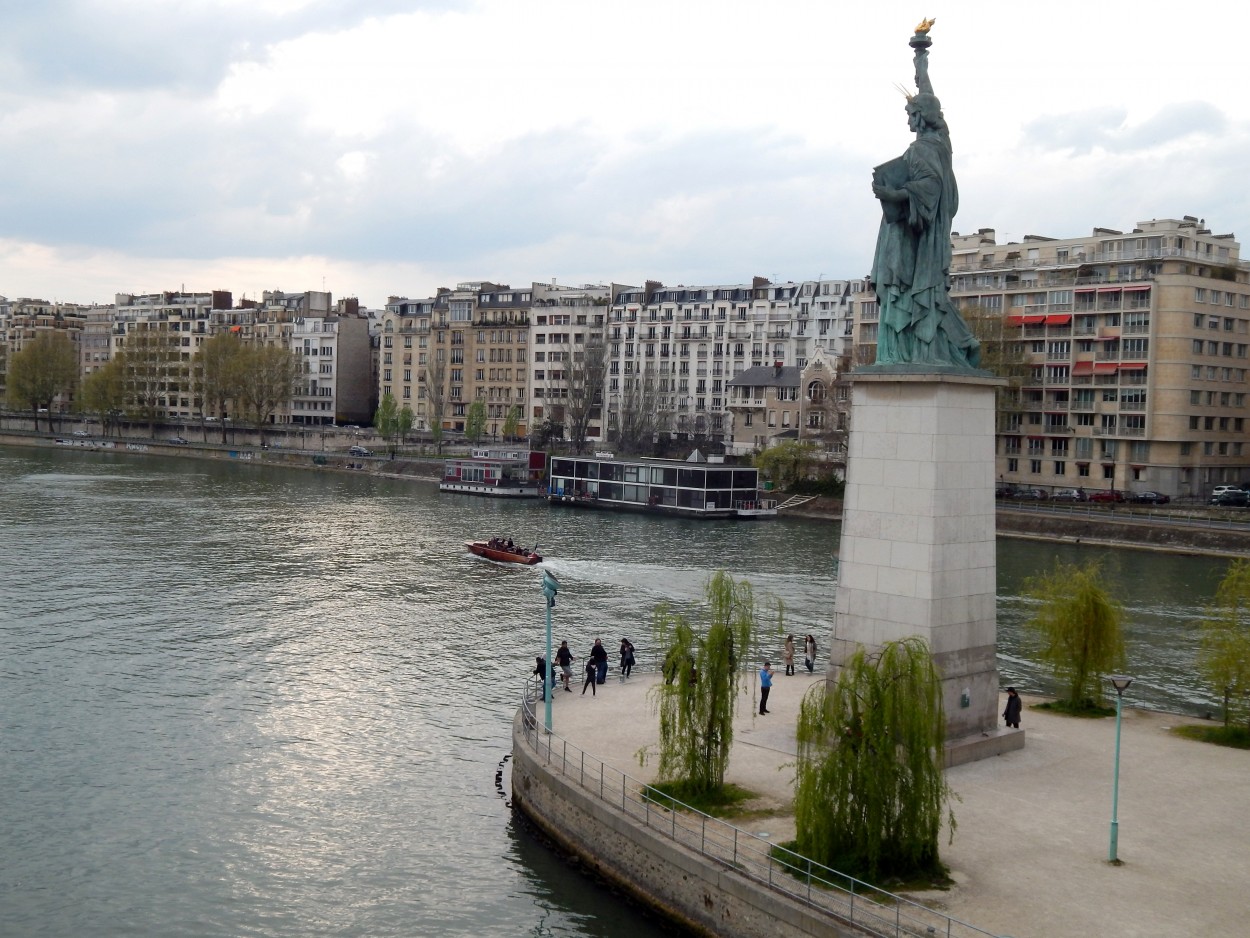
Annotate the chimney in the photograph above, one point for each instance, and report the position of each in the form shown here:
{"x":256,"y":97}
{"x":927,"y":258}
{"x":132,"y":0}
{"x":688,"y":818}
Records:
{"x":777,"y":372}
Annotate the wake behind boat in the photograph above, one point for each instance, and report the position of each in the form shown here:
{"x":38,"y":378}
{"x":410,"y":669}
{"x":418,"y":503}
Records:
{"x":504,"y":551}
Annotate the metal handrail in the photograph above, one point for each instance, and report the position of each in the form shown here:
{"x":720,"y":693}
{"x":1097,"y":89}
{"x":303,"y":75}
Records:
{"x":752,"y":856}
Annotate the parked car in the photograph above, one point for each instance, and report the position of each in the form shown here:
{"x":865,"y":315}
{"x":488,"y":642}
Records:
{"x":81,"y":433}
{"x":1107,"y":495}
{"x":1221,"y":489}
{"x":358,"y":451}
{"x":1037,"y":495}
{"x":1070,"y":495}
{"x":1150,"y":498}
{"x":179,"y":440}
{"x":1005,"y":491}
{"x":1232,"y":498}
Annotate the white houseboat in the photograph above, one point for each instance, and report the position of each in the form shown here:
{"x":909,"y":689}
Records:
{"x":662,"y":486}
{"x":496,"y":473}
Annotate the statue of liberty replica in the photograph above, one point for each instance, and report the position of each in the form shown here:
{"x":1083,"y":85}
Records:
{"x":919,"y":198}
{"x":916,"y":558}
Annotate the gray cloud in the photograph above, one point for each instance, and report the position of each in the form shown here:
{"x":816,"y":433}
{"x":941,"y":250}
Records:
{"x":75,"y":44}
{"x":1105,"y":128}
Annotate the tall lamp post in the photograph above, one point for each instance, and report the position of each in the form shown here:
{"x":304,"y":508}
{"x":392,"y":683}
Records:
{"x":551,"y":586}
{"x":1121,"y":683}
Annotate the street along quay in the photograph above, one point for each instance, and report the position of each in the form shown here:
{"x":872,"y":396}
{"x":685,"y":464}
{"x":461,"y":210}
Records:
{"x":1029,"y":856}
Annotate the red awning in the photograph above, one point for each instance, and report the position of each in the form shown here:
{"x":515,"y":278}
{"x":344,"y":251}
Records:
{"x":1015,"y":320}
{"x":1144,"y":286}
{"x":1060,"y":319}
{"x":1105,"y":368}
{"x":1033,"y":320}
{"x":1132,"y":366}
{"x":1083,"y":368}
{"x":1084,"y":289}
{"x":1110,"y":289}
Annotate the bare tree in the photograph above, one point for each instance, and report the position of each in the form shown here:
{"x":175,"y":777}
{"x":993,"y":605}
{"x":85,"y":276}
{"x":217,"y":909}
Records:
{"x":1002,"y":353}
{"x":636,"y":419}
{"x":576,"y":386}
{"x":152,"y":369}
{"x":433,"y":380}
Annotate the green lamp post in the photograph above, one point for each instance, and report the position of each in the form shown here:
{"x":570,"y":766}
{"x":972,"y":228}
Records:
{"x":551,"y":586}
{"x":1121,"y":683}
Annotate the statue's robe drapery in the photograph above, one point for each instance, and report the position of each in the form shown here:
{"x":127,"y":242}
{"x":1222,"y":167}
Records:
{"x":918,"y":323}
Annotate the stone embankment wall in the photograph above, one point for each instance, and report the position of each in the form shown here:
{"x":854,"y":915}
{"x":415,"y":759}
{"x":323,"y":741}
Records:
{"x":1127,"y":527}
{"x":703,"y":896}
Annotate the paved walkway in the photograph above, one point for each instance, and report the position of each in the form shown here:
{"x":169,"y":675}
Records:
{"x":1029,"y":855}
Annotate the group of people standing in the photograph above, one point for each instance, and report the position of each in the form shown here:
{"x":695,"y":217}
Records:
{"x":596,"y":669}
{"x":809,"y":653}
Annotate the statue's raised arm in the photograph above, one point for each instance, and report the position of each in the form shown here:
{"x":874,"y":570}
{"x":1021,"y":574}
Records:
{"x":920,"y":42}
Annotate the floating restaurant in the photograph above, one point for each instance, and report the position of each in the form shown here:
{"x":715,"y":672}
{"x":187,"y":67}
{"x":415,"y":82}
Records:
{"x":687,"y":489}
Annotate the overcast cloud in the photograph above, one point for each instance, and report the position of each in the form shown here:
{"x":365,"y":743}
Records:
{"x":378,"y":147}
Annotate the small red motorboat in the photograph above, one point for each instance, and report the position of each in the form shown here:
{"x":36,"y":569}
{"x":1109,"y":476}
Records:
{"x":504,"y":551}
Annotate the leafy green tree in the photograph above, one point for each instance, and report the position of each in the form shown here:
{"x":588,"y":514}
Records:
{"x":386,"y":420}
{"x":511,"y":422}
{"x":403,"y":423}
{"x":218,"y":370}
{"x":696,"y":702}
{"x":44,"y":368}
{"x":268,"y":374}
{"x":104,"y":392}
{"x":1081,"y":630}
{"x":786,"y":462}
{"x":1224,"y":656}
{"x":870,"y":795}
{"x":475,"y":421}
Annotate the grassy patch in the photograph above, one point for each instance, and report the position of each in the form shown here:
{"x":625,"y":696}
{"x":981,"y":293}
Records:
{"x":726,"y":801}
{"x":1237,"y":737}
{"x":1086,"y":708}
{"x":915,"y":881}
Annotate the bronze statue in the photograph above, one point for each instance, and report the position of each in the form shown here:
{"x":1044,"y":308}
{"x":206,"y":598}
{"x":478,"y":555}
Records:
{"x":918,"y":323}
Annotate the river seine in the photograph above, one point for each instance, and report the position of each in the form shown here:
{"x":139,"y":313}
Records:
{"x":238,"y":700}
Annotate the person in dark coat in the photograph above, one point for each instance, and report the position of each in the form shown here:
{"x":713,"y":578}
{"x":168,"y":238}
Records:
{"x":599,"y":655}
{"x":627,"y":657}
{"x":543,"y":673}
{"x":1012,"y":713}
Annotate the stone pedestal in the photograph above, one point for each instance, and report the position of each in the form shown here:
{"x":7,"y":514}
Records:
{"x":917,"y":554}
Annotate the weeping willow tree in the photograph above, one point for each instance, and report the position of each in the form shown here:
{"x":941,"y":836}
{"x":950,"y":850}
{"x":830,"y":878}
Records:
{"x":696,"y":701}
{"x":1080,"y":627}
{"x":869,"y":791}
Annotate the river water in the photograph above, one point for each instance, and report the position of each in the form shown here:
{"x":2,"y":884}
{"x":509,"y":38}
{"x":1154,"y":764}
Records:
{"x":243,"y":700}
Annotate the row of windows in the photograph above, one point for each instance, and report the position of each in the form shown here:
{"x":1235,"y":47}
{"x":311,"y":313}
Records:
{"x":1216,"y":297}
{"x":1227,"y":349}
{"x":1217,"y":398}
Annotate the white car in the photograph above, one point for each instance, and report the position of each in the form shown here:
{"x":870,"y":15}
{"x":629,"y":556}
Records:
{"x":81,"y":433}
{"x":1221,"y":489}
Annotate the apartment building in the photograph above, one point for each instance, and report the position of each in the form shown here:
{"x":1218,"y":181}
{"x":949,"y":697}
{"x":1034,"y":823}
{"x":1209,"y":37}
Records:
{"x":1131,"y":351}
{"x":440,"y":354}
{"x":569,"y":365}
{"x":672,"y":350}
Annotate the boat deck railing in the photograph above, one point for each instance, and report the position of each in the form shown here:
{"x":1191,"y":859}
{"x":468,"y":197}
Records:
{"x":798,"y":878}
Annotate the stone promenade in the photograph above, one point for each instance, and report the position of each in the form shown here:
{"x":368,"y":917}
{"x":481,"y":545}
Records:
{"x":1029,"y":856}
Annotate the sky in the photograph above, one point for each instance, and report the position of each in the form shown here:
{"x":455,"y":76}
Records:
{"x":378,"y":148}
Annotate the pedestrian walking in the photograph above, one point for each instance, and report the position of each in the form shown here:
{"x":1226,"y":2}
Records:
{"x":1012,"y":713}
{"x":564,"y":658}
{"x":809,"y":653}
{"x":591,"y":671}
{"x":627,"y":658}
{"x":766,"y":685}
{"x":599,"y":655}
{"x":787,"y":654}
